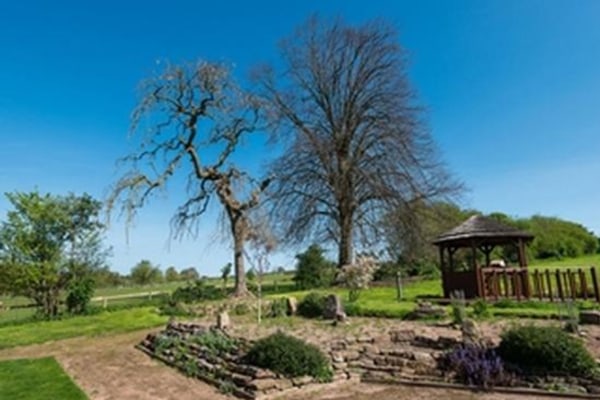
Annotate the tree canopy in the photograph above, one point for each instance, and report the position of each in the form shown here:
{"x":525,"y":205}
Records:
{"x":47,"y":243}
{"x":355,"y":143}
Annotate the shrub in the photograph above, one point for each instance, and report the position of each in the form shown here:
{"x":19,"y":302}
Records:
{"x":480,"y":309}
{"x":545,"y":350}
{"x":289,"y":356}
{"x":312,"y":305}
{"x":313,"y":270}
{"x":195,"y":292}
{"x":241,"y":309}
{"x":358,"y":275}
{"x":278,"y":308}
{"x":79,"y":295}
{"x":474,"y":364}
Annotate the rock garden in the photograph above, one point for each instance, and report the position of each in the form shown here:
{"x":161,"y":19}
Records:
{"x":291,"y":354}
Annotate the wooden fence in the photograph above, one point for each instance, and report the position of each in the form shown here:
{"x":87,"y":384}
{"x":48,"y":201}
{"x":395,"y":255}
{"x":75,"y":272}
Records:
{"x":523,"y":284}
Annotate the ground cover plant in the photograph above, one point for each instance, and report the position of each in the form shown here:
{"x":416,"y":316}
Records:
{"x":475,"y":364}
{"x":32,"y":379}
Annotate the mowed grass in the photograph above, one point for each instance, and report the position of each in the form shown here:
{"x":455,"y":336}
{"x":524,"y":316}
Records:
{"x":106,"y":323}
{"x":34,"y":379}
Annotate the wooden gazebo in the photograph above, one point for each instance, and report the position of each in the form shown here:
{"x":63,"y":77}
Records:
{"x":479,"y":233}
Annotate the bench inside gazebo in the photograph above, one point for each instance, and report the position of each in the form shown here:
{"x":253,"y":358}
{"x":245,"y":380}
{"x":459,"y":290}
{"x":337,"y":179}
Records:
{"x":481,"y":235}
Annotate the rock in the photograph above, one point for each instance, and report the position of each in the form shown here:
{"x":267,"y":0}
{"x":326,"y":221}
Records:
{"x":333,"y":307}
{"x":470,"y":331}
{"x":302,"y":380}
{"x":223,"y":321}
{"x":405,"y":335}
{"x":591,"y":317}
{"x":292,"y":305}
{"x":263,"y":384}
{"x":426,"y":310}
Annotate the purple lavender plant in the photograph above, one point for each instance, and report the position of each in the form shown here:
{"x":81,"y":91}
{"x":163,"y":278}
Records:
{"x":475,"y":365}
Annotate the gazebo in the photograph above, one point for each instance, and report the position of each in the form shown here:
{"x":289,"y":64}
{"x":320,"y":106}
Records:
{"x":479,"y":233}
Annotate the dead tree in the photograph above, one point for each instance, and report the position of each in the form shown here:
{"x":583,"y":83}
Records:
{"x":355,"y":145}
{"x":196,"y":116}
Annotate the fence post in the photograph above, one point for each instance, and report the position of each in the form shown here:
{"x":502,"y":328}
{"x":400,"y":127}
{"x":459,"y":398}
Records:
{"x":105,"y":302}
{"x":583,"y":283}
{"x":549,"y":282}
{"x":559,"y":284}
{"x":595,"y":283}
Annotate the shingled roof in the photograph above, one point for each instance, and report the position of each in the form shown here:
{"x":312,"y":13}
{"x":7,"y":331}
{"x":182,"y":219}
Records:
{"x":480,"y":227}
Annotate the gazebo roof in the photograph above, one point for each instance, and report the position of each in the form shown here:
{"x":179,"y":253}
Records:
{"x":481,"y":229}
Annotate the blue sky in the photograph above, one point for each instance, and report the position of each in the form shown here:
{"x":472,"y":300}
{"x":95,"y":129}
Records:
{"x":511,"y":87}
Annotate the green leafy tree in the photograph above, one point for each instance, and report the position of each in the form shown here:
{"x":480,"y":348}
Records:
{"x":313,"y":270}
{"x":144,"y":273}
{"x":171,"y":274}
{"x":48,"y":244}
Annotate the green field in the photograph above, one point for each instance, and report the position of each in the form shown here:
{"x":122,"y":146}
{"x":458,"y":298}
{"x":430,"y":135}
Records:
{"x":101,"y":324}
{"x":34,"y":379}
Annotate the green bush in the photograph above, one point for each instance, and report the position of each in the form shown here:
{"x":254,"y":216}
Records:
{"x":290,"y":357}
{"x":312,"y":305}
{"x":480,"y":309}
{"x":196,"y":292}
{"x":313,"y":270}
{"x":80,"y":293}
{"x":545,"y":350}
{"x":278,"y":308}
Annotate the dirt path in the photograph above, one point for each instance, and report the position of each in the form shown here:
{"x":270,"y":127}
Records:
{"x":111,"y":368}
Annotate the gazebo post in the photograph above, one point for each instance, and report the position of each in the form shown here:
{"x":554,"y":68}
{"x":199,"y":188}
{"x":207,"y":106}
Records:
{"x":444,"y":272}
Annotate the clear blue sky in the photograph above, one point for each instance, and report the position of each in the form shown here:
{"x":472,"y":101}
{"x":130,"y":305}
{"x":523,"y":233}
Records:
{"x":512,"y":89}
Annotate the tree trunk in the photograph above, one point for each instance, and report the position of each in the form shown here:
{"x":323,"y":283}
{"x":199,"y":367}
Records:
{"x":346,"y":248}
{"x":238,"y":230}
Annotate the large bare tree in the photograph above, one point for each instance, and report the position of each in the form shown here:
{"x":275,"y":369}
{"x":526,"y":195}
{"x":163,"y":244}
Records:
{"x":355,"y":145}
{"x":190,"y":120}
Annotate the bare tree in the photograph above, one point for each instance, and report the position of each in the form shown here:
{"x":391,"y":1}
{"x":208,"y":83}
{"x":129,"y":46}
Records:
{"x":355,"y":142}
{"x":196,"y":116}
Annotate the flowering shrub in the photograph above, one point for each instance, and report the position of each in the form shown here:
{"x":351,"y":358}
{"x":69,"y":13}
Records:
{"x":357,"y":276}
{"x":474,"y":364}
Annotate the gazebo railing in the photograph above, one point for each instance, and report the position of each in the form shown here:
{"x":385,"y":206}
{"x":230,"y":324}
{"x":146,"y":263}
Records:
{"x":522,"y":283}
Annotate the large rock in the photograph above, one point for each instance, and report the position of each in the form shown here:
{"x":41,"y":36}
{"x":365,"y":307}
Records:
{"x":292,"y":305}
{"x":333,"y":307}
{"x":591,"y":317}
{"x":223,"y":321}
{"x":470,"y":331}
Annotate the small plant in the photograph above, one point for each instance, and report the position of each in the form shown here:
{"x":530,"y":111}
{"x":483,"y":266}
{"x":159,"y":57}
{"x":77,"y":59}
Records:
{"x":226,"y":386}
{"x":278,"y":308}
{"x":480,"y":309}
{"x":79,"y":295}
{"x":216,"y":342}
{"x":163,"y":343}
{"x":474,"y":364}
{"x":545,"y":350}
{"x":458,"y":307}
{"x":241,"y":309}
{"x":290,"y":357}
{"x":572,"y":317}
{"x":312,"y":305}
{"x":190,"y":368}
{"x":357,"y":276}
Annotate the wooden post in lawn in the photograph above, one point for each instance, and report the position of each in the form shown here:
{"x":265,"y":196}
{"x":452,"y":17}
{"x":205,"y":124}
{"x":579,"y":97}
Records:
{"x":595,"y":283}
{"x":398,"y":285}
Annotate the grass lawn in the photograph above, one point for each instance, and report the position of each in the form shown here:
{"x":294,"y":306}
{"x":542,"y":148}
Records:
{"x":101,"y":324}
{"x":32,"y":379}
